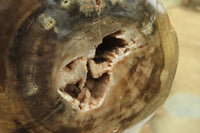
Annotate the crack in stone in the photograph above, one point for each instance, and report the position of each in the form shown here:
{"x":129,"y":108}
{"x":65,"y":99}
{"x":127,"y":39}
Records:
{"x":88,"y":80}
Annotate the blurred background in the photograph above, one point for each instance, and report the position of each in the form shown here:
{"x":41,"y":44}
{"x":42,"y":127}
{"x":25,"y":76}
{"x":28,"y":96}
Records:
{"x":181,"y":112}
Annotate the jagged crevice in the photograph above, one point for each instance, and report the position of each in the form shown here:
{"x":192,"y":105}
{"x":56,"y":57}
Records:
{"x":89,"y":91}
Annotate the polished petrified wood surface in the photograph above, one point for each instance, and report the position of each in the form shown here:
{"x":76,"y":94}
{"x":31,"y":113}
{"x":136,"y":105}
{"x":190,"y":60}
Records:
{"x":83,"y":66}
{"x":181,"y":112}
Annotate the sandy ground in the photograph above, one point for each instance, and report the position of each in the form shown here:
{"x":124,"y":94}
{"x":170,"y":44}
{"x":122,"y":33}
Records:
{"x":181,"y":112}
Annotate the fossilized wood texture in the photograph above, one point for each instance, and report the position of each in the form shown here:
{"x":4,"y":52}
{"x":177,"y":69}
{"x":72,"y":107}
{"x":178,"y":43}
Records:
{"x":77,"y":66}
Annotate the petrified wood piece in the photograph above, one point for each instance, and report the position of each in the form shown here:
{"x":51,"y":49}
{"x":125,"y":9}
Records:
{"x":83,"y":66}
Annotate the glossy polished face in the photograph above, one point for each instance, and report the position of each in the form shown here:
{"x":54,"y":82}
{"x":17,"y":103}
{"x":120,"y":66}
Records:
{"x":87,"y":65}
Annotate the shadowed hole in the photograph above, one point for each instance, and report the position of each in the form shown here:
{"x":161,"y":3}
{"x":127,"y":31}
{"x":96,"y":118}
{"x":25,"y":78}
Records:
{"x":73,"y":89}
{"x":109,"y":44}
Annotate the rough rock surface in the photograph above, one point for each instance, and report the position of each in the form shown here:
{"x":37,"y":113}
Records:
{"x":83,"y":66}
